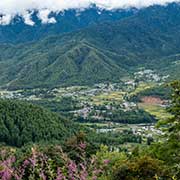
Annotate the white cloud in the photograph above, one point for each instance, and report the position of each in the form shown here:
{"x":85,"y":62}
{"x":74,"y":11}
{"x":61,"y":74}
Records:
{"x":44,"y":16}
{"x":6,"y":19}
{"x":10,"y":8}
{"x":27,"y":18}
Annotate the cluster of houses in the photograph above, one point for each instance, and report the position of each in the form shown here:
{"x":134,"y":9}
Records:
{"x":150,"y":76}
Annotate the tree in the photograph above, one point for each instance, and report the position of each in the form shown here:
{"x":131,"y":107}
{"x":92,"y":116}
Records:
{"x":174,"y":122}
{"x":169,"y":149}
{"x":140,"y":168}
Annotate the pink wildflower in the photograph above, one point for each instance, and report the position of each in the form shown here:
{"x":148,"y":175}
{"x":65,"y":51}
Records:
{"x":106,"y":161}
{"x":82,"y":145}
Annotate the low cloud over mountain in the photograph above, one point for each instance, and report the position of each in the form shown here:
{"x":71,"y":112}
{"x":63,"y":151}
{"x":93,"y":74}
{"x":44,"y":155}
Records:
{"x":10,"y":8}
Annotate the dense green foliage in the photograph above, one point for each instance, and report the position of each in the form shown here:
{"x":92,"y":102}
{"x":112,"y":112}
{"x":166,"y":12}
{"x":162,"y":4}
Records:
{"x":114,"y":139}
{"x":22,"y":123}
{"x":63,"y":106}
{"x":136,"y":116}
{"x":117,"y":50}
{"x":144,"y":168}
{"x":168,"y":151}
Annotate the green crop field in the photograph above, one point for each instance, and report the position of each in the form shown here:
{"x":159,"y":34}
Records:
{"x":156,"y":110}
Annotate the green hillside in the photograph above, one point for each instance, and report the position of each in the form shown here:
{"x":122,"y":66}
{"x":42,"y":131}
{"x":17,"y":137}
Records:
{"x":99,"y":53}
{"x":22,"y":123}
{"x":49,"y":64}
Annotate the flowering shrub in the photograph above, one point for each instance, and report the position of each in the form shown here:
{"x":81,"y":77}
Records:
{"x":38,"y":165}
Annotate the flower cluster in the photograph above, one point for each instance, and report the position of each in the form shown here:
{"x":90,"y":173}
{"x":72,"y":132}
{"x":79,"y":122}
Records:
{"x":38,"y":165}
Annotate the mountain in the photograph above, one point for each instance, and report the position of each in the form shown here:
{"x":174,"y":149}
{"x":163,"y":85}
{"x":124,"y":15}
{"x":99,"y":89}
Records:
{"x":102,"y":52}
{"x":67,"y":21}
{"x":22,"y":123}
{"x":51,"y":62}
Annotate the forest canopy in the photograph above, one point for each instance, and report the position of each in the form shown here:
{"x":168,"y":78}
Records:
{"x":21,"y":123}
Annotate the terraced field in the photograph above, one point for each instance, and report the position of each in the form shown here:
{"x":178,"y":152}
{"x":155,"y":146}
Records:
{"x":108,"y":97}
{"x":141,"y":87}
{"x":156,"y":110}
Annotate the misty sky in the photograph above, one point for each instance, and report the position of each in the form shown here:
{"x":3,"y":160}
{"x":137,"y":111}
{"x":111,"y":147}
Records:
{"x":24,"y":8}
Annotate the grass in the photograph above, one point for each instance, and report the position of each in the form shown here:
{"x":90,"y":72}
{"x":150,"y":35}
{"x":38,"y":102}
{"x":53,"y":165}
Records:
{"x":156,"y":110}
{"x":108,"y":97}
{"x":141,"y":87}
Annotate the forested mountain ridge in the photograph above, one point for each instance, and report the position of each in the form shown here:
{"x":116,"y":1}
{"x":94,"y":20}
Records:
{"x":71,"y":63}
{"x":22,"y":123}
{"x":100,"y":53}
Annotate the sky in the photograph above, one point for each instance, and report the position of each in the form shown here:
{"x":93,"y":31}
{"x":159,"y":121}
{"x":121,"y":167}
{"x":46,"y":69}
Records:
{"x":24,"y":8}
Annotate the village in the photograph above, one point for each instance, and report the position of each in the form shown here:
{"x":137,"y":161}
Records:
{"x":104,"y":103}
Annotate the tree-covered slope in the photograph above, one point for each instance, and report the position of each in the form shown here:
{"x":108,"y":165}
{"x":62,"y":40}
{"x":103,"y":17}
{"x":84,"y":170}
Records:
{"x":100,"y":53}
{"x":22,"y":123}
{"x":151,"y":33}
{"x":50,"y":63}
